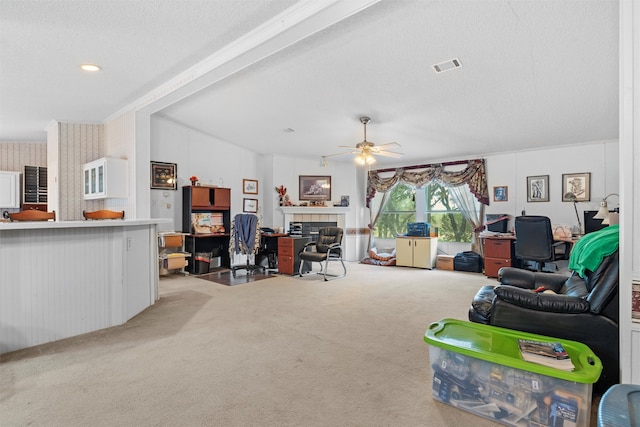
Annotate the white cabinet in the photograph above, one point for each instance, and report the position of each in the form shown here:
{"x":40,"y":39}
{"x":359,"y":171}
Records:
{"x":9,"y":189}
{"x":418,"y":252}
{"x":105,"y":178}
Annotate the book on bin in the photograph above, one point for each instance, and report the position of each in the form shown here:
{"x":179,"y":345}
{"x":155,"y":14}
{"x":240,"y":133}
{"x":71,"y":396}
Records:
{"x":550,"y":354}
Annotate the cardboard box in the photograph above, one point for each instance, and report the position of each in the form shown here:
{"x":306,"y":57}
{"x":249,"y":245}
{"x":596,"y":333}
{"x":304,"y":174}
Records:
{"x":175,"y":262}
{"x":172,"y":241}
{"x":445,"y":262}
{"x":478,"y":368}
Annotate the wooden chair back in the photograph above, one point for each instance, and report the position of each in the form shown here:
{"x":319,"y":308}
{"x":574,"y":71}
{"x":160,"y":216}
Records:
{"x":33,"y":215}
{"x":103,"y":214}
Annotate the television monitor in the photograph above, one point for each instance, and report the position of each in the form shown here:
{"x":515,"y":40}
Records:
{"x":590,"y":224}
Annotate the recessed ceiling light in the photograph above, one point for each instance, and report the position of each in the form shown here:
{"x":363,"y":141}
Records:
{"x":90,"y":67}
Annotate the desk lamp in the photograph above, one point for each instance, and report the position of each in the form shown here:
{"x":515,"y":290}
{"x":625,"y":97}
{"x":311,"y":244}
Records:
{"x":603,"y":212}
{"x":574,"y":199}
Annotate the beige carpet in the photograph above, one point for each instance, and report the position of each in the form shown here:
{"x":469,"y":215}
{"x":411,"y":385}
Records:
{"x":287,"y":351}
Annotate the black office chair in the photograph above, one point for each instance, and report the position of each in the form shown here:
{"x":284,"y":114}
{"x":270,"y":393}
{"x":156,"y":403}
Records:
{"x":328,"y":247}
{"x":534,"y":241}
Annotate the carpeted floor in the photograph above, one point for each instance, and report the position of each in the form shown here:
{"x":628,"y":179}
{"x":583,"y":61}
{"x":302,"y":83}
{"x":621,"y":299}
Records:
{"x":287,"y":351}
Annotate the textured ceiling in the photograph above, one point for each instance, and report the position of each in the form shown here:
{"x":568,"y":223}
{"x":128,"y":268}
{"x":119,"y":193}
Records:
{"x":534,"y":73}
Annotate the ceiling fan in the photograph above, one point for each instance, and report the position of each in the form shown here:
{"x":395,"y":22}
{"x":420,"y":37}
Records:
{"x":366,"y":150}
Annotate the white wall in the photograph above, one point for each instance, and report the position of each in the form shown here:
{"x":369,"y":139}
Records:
{"x":512,"y":169}
{"x":217,"y":162}
{"x":212,"y":160}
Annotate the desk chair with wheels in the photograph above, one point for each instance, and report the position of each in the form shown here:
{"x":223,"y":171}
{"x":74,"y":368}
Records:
{"x":103,"y":214}
{"x":534,"y":241}
{"x":32,"y":215}
{"x":328,"y":247}
{"x":245,"y":239}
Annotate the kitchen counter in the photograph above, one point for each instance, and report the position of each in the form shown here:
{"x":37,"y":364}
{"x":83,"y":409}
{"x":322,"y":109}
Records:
{"x":30,"y":225}
{"x":59,"y":279}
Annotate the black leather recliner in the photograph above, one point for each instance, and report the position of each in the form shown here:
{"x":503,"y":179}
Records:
{"x":579,"y":309}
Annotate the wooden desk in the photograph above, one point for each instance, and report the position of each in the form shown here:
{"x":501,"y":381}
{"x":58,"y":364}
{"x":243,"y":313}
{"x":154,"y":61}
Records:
{"x":217,"y":244}
{"x":498,"y":253}
{"x":288,"y":254}
{"x":269,"y":249}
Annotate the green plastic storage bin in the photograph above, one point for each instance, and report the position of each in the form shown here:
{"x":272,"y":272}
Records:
{"x":479,"y":369}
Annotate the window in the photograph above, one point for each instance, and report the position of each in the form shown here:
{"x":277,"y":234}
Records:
{"x":439,"y":210}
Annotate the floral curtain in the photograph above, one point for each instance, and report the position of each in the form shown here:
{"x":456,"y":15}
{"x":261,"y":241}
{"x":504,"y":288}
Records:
{"x":473,"y":175}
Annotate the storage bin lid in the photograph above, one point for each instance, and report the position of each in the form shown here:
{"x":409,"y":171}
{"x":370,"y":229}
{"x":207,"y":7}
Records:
{"x":500,"y":345}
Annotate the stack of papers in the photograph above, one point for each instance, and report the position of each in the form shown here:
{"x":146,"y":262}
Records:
{"x":550,"y":354}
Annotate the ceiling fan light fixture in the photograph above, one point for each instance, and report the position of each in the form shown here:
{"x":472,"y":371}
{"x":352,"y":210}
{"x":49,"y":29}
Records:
{"x":364,"y":159}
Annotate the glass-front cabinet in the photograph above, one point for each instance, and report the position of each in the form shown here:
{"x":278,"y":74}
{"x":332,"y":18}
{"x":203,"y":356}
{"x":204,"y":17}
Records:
{"x":105,"y":178}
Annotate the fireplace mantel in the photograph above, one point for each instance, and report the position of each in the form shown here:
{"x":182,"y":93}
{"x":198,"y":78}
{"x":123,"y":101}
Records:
{"x":314,"y":210}
{"x":314,"y":213}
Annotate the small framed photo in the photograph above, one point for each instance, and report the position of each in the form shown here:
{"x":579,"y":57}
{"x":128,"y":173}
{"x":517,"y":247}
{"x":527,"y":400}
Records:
{"x":538,"y":188}
{"x":164,"y":176}
{"x":576,"y":187}
{"x":500,"y":193}
{"x":314,"y":187}
{"x":250,"y":205}
{"x":249,"y":186}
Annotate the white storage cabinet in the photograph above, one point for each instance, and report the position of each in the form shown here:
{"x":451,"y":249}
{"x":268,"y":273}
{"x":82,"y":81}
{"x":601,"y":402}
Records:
{"x":418,"y":252}
{"x":9,"y":189}
{"x":105,"y":178}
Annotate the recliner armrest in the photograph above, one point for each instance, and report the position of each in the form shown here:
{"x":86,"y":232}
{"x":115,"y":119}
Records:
{"x":541,"y":301}
{"x":526,"y":279}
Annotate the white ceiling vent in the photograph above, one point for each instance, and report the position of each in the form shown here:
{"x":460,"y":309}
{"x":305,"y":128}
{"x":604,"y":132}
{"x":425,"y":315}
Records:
{"x":447,"y":65}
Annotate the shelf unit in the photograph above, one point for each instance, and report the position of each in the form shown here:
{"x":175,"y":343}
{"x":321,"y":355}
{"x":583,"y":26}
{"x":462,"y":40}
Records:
{"x":35,"y":188}
{"x":206,"y":200}
{"x":171,"y":252}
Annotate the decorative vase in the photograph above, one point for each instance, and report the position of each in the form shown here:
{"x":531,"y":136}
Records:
{"x":194,"y":182}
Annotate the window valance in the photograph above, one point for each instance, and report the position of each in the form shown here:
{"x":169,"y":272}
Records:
{"x":474,"y":175}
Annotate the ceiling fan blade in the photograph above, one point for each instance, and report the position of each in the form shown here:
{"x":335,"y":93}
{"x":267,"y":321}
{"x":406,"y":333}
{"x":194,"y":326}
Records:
{"x":337,"y":154}
{"x":388,"y":154}
{"x":388,"y":144}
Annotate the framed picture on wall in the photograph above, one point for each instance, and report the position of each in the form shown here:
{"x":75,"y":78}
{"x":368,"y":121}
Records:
{"x":576,"y":187}
{"x":500,"y":193}
{"x":249,"y":186}
{"x":314,"y":187}
{"x":250,"y":205}
{"x":538,"y":188}
{"x":164,"y":176}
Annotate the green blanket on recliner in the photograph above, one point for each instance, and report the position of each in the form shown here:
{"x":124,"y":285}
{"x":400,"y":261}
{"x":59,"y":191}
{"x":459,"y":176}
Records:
{"x":592,"y":248}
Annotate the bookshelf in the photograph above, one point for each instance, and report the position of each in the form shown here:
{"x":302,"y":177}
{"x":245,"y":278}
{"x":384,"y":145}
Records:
{"x":206,"y":222}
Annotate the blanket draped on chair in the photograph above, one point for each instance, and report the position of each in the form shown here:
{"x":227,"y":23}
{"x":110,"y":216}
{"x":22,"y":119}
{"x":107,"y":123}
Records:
{"x":244,"y":236}
{"x":591,"y":249}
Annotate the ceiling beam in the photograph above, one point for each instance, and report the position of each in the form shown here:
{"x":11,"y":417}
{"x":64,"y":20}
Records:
{"x":300,"y":21}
